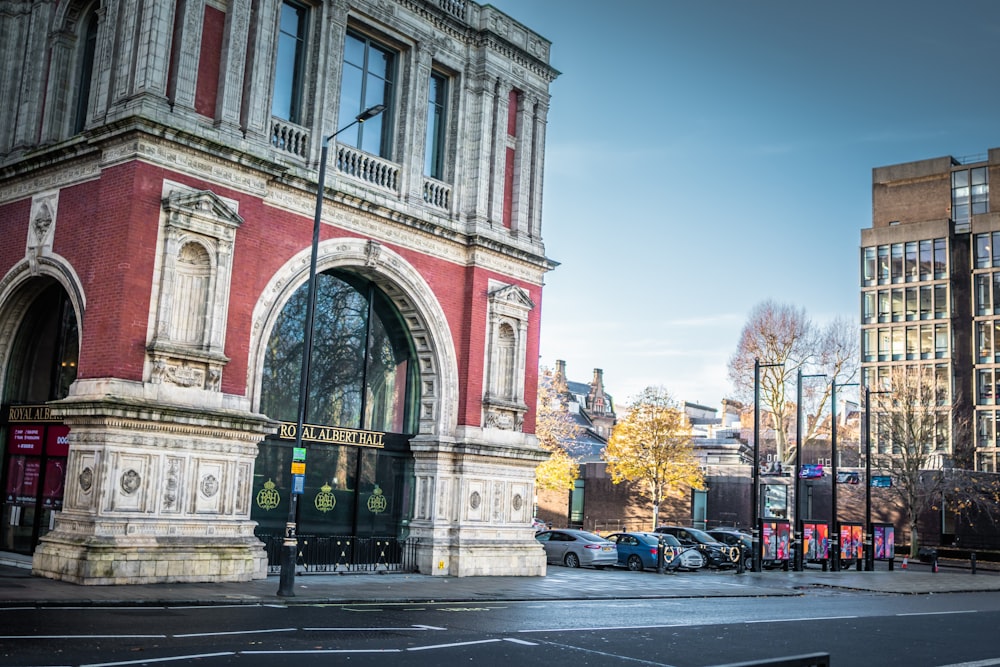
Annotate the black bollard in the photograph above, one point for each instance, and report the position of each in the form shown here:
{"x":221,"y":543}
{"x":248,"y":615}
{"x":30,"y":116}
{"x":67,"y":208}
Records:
{"x":659,"y":557}
{"x":972,"y":561}
{"x":740,"y":569}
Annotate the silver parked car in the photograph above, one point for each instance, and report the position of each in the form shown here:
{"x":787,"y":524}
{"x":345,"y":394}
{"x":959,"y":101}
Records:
{"x":576,"y":548}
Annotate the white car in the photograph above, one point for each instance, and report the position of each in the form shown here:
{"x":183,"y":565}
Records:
{"x":576,"y":548}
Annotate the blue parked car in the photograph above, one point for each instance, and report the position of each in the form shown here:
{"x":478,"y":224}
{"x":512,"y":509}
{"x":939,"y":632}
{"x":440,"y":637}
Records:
{"x":637,"y":551}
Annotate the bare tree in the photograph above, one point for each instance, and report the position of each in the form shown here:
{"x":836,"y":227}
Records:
{"x":908,"y":418}
{"x":651,"y":445}
{"x":785,"y":341}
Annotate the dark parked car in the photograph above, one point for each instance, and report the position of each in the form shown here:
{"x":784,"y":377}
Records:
{"x":716,"y":553}
{"x":735,"y":538}
{"x":575,"y":548}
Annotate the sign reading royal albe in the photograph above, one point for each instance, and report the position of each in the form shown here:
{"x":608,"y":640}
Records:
{"x":333,"y":435}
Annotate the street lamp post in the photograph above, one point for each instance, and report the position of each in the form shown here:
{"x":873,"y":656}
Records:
{"x":797,"y":565}
{"x":834,"y":528}
{"x":755,"y":467}
{"x":869,"y":547}
{"x":289,"y":547}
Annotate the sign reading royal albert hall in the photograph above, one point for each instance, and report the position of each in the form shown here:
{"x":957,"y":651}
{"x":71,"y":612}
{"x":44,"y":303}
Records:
{"x":332,"y":435}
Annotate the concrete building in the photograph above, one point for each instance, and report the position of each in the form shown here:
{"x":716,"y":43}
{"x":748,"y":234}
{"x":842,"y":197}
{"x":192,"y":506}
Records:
{"x":930,"y":295}
{"x":158,"y":185}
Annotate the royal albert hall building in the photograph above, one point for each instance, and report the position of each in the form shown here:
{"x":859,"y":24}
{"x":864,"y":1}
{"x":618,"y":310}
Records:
{"x":159,"y":164}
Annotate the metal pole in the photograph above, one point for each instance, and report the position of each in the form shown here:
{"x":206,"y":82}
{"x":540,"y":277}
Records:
{"x":289,"y":547}
{"x":755,"y":564}
{"x":797,"y":565}
{"x":799,"y":526}
{"x":869,"y":546}
{"x":834,"y":531}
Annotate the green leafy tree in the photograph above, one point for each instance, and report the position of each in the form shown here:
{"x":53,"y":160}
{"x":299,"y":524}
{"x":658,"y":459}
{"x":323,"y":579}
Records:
{"x":651,"y":445}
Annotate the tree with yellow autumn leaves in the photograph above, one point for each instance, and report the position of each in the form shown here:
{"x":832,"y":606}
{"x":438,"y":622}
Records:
{"x":556,"y":432}
{"x":652,"y":445}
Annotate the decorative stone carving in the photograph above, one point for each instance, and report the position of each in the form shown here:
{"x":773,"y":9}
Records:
{"x":475,"y":500}
{"x":192,"y":295}
{"x":507,"y":335}
{"x":86,"y":479}
{"x":209,"y":486}
{"x":130,"y":482}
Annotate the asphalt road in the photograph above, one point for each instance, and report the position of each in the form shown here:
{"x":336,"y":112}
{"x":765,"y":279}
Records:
{"x":854,"y":628}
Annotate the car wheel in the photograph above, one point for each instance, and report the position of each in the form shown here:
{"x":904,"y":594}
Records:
{"x":635,"y":563}
{"x":748,"y":562}
{"x":571,"y":560}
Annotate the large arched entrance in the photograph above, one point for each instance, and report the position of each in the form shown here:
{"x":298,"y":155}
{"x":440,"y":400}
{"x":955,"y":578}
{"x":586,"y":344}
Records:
{"x":361,"y":410}
{"x":40,"y":364}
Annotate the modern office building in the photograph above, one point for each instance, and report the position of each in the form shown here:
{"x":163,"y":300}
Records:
{"x":159,"y":164}
{"x":930,"y":295}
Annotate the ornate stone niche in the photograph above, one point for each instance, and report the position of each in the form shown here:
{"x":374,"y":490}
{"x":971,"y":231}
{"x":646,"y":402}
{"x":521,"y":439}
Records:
{"x":507,"y":336}
{"x":187,"y":346}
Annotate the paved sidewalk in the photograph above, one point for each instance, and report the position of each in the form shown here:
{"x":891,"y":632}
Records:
{"x":19,"y":588}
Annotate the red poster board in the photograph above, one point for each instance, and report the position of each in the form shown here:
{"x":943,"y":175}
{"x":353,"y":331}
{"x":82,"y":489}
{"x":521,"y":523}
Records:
{"x":26,"y":440}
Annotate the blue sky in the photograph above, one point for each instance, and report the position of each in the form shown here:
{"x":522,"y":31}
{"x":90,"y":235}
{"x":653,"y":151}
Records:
{"x":706,"y":155}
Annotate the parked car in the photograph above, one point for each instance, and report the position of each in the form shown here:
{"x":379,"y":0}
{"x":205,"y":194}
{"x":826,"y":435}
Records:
{"x":689,"y":558}
{"x":734,"y":537}
{"x":716,"y":553}
{"x":538,"y":525}
{"x":576,"y":548}
{"x":638,"y":551}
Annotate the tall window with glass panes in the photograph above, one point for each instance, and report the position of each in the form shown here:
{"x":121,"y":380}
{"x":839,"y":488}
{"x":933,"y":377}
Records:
{"x":930,"y":299}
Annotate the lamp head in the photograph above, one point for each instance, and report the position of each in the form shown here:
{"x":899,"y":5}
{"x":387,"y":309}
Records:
{"x":370,"y":112}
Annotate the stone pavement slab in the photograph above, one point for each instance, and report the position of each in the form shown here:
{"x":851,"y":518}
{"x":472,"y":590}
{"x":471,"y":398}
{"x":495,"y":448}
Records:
{"x":19,"y":588}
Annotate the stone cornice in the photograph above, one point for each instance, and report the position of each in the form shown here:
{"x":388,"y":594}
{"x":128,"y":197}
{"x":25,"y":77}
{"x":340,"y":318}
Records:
{"x":197,"y":157}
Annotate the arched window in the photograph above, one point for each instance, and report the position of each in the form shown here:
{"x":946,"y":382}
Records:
{"x":505,"y":362}
{"x":362,"y":373}
{"x":88,"y":48}
{"x":190,"y":298}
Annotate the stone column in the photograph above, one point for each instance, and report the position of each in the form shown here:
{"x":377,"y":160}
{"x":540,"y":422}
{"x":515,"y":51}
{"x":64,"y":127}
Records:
{"x":473,"y":504}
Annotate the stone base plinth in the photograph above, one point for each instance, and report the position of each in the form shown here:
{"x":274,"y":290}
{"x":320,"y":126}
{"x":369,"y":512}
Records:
{"x":105,"y":562}
{"x":484,"y":560}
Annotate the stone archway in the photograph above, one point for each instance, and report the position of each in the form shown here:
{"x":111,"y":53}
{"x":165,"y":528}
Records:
{"x":409,"y":292}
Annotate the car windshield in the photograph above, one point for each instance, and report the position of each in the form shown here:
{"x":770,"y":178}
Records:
{"x":588,"y":537}
{"x":667,"y":539}
{"x":702,"y":536}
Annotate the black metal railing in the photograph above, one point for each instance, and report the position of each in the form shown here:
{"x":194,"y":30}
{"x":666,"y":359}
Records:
{"x":331,"y":554}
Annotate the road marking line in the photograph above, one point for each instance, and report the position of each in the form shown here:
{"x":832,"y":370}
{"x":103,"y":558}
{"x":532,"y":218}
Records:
{"x":235,"y":632}
{"x":989,"y":662}
{"x":427,"y":648}
{"x":402,"y":629}
{"x":611,"y":627}
{"x":83,"y":636}
{"x":320,"y":651}
{"x":519,"y":641}
{"x":936,"y":613}
{"x":807,"y":618}
{"x":147,"y":660}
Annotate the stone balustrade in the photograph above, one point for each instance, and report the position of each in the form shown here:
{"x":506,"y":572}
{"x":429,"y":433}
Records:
{"x":290,"y":138}
{"x":368,"y":168}
{"x":437,"y":194}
